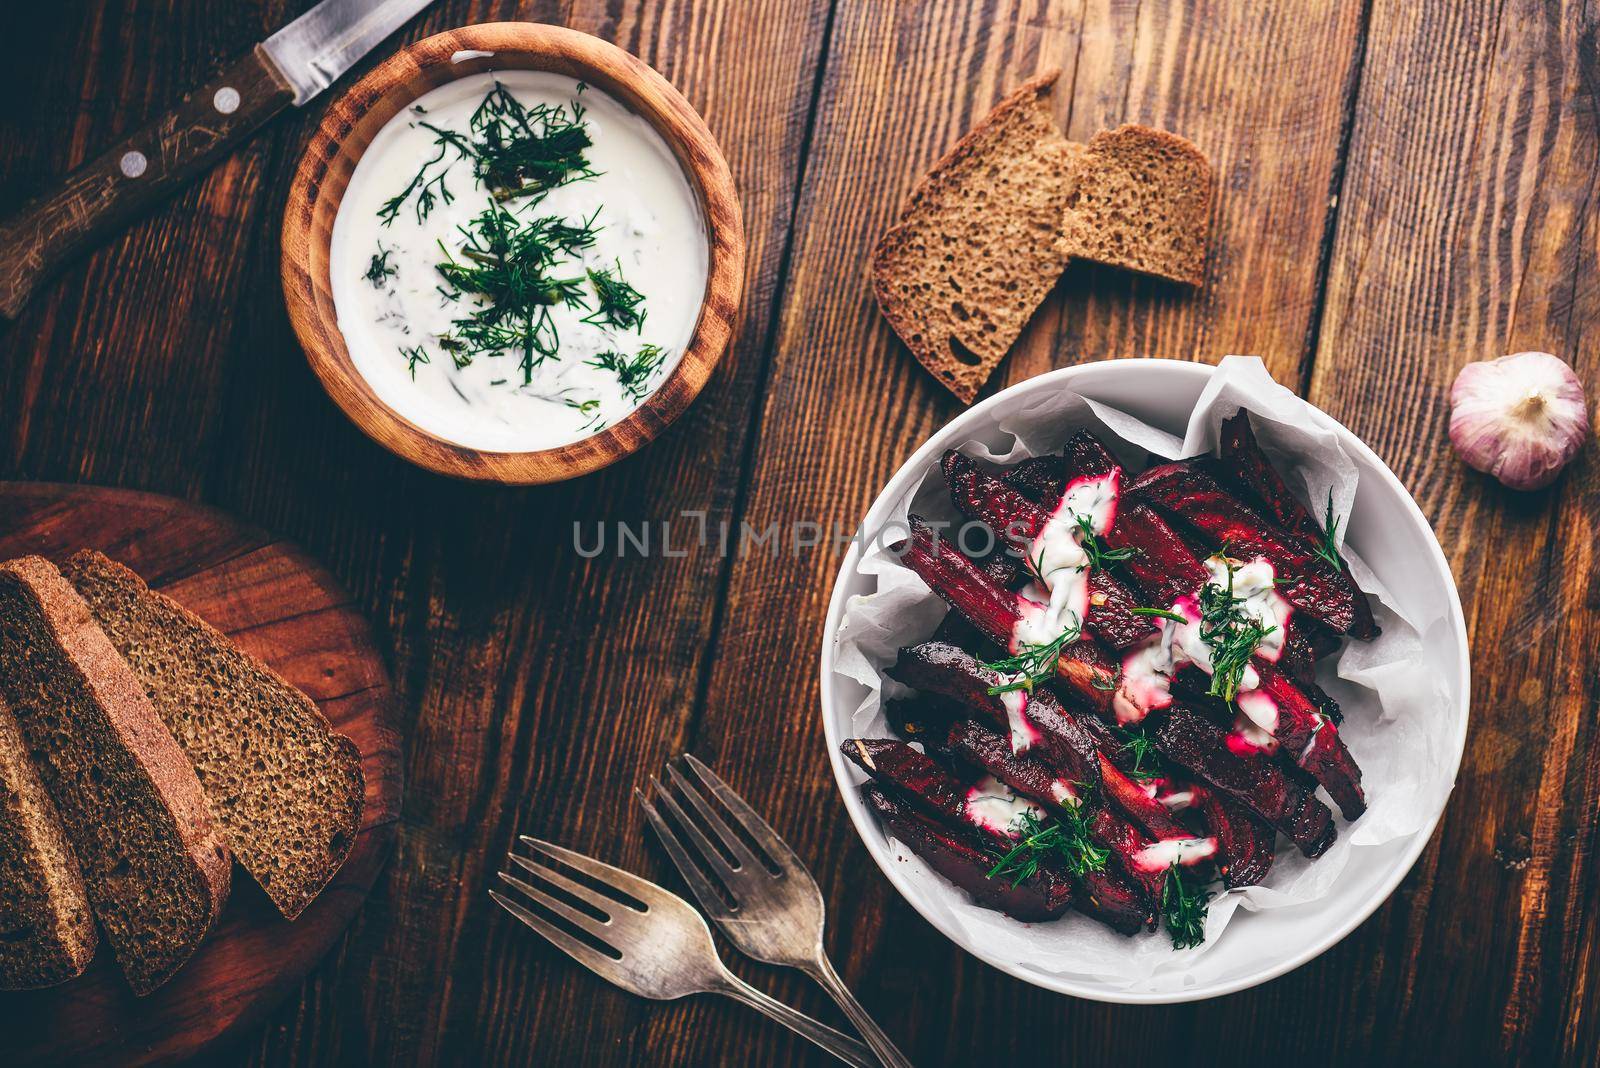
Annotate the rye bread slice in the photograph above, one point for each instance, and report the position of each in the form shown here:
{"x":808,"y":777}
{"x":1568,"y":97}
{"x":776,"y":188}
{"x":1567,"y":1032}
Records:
{"x":155,"y":871}
{"x":287,"y":791}
{"x":47,"y":933}
{"x":977,"y":247}
{"x":1141,"y":199}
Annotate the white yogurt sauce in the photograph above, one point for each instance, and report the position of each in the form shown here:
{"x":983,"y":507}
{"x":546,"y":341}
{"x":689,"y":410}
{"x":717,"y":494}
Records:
{"x":1159,"y":856}
{"x":1147,"y":671}
{"x":994,"y":806}
{"x":648,"y":221}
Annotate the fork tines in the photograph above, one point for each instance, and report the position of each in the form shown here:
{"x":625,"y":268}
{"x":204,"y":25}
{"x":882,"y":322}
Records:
{"x":595,"y":927}
{"x":729,"y":857}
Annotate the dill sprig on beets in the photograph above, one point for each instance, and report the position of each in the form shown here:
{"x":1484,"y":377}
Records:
{"x":1231,"y":633}
{"x":1066,"y":840}
{"x":1099,"y":556}
{"x":509,"y":262}
{"x":1184,"y":908}
{"x":621,"y":305}
{"x":1033,"y":663}
{"x":1328,"y":548}
{"x":633,"y":372}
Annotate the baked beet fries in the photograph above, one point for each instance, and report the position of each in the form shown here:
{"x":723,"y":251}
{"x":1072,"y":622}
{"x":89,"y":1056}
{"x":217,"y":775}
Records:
{"x":1121,"y":709}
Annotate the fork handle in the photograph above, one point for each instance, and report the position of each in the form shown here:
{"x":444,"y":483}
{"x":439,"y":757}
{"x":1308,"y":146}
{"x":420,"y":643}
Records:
{"x":829,"y":979}
{"x":840,"y":1045}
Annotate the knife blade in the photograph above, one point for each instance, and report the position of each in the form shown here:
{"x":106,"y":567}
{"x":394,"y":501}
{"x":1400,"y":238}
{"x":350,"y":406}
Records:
{"x":101,"y":196}
{"x":315,"y":49}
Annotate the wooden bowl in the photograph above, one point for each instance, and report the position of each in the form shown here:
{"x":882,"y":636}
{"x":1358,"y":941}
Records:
{"x":355,"y":119}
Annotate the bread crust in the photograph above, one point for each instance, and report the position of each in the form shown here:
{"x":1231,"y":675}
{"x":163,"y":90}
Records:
{"x":48,"y":928}
{"x":139,"y":731}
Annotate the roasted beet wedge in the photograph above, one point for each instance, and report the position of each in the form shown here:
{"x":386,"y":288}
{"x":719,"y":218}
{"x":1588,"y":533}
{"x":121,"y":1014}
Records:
{"x":1219,"y":518}
{"x":1029,"y":775}
{"x":1038,"y":780}
{"x":1121,"y":790}
{"x":1257,"y":781}
{"x":1040,"y":479}
{"x":1164,"y":568}
{"x":1313,"y":742}
{"x":922,"y":717}
{"x":911,"y":775}
{"x":1305,"y":738}
{"x":1245,"y":844}
{"x":1246,"y":467}
{"x":1084,"y":668}
{"x":1084,"y":750}
{"x":1011,"y":515}
{"x":962,"y":858}
{"x":952,"y":672}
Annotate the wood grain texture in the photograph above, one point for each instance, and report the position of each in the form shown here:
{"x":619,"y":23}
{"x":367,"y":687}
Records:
{"x":285,"y":609}
{"x":102,"y":196}
{"x":1403,"y":187}
{"x":1468,"y":229}
{"x":342,"y":138}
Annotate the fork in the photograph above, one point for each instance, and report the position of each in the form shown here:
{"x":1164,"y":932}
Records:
{"x":660,"y":947}
{"x":772,"y":912}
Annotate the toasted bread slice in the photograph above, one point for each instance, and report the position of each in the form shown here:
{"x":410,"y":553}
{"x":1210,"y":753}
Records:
{"x":47,"y":933}
{"x":155,"y":871}
{"x":1141,"y":199}
{"x":287,"y":791}
{"x":978,"y":247}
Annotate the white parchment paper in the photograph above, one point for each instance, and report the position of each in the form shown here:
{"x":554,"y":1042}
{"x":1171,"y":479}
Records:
{"x":1398,"y":718}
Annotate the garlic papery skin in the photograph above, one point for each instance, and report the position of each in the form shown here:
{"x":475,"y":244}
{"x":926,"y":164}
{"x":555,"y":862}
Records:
{"x":1519,"y":418}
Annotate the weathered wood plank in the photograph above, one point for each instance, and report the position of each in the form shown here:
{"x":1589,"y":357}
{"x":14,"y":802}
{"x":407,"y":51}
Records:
{"x":1468,"y":230}
{"x":540,"y":687}
{"x":845,"y":402}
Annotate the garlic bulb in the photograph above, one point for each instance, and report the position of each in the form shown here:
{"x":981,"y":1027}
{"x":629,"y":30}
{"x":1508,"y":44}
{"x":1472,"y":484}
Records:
{"x":1519,"y":418}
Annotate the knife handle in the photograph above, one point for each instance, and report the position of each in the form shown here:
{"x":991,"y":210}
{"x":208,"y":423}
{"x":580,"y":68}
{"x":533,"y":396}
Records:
{"x":103,"y":195}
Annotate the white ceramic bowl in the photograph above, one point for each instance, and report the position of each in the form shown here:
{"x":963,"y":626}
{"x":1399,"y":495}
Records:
{"x":1163,"y":393}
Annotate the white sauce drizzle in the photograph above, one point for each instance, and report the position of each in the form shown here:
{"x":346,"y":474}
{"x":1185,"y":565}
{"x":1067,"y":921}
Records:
{"x":1159,"y":856}
{"x":1057,"y":601}
{"x":994,"y":806}
{"x":1147,"y":671}
{"x":1062,"y":792}
{"x":1024,"y":735}
{"x":649,"y":220}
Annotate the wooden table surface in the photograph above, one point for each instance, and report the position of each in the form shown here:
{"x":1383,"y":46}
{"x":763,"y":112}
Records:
{"x":1404,"y":187}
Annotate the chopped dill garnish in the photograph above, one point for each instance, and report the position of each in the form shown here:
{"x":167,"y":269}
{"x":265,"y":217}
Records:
{"x":415,"y":355}
{"x":520,"y":151}
{"x":633,"y":372}
{"x":1066,"y":840}
{"x":1099,"y":555}
{"x":515,"y":151}
{"x":620,"y":303}
{"x":1146,"y":758}
{"x":1328,"y":550}
{"x":590,"y":407}
{"x":1160,"y":613}
{"x":428,"y":189}
{"x":380,"y":270}
{"x":1034,"y":663}
{"x":1231,"y":633}
{"x":1184,"y":908}
{"x":508,"y":263}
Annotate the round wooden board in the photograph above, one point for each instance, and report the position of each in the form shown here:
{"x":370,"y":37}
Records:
{"x":279,"y":605}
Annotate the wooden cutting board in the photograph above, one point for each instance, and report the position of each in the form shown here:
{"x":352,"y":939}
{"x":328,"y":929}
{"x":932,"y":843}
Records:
{"x":278,"y":604}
